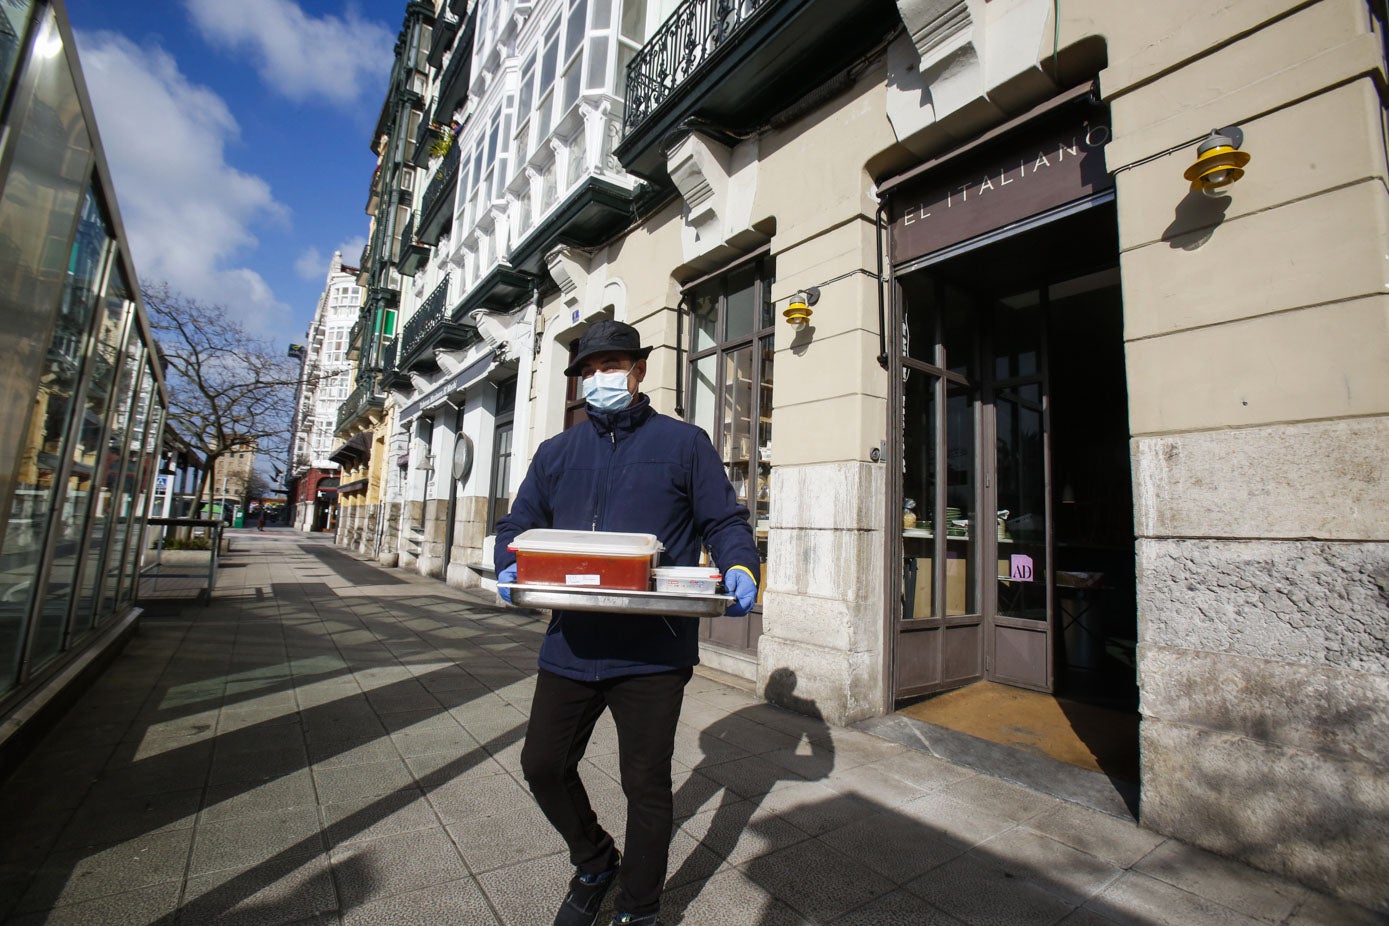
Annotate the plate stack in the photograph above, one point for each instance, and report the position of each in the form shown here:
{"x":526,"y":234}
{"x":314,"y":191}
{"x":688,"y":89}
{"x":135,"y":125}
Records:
{"x":954,"y":525}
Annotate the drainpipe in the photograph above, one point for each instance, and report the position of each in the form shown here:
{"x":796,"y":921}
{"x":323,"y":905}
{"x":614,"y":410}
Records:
{"x":679,"y":364}
{"x":882,"y":312}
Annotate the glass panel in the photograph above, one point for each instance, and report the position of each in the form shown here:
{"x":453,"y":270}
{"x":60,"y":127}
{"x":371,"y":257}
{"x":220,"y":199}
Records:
{"x":574,"y":28}
{"x":958,"y":332}
{"x":960,"y":519}
{"x":42,"y":194}
{"x":703,"y":372}
{"x":634,"y":20}
{"x":14,"y":20}
{"x":109,"y":466}
{"x":742,"y":306}
{"x":550,"y":61}
{"x":736,"y":444}
{"x":572,"y":77}
{"x":602,"y":13}
{"x":1022,"y":516}
{"x":1017,"y":334}
{"x":705,"y":315}
{"x":501,"y":476}
{"x":919,"y":492}
{"x":920,"y":297}
{"x":597,"y":63}
{"x":54,"y":416}
{"x":523,"y":105}
{"x":625,"y":54}
{"x":90,"y":251}
{"x":768,"y":314}
{"x":763,"y":434}
{"x":140,"y":513}
{"x":125,"y":501}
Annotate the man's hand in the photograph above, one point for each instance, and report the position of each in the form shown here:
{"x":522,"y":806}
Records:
{"x":505,"y":576}
{"x":743,"y":589}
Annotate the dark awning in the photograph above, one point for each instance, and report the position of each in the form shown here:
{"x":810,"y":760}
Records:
{"x":356,"y":450}
{"x":359,"y":485}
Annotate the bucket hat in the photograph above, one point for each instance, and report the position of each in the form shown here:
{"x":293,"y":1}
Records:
{"x":607,"y":335}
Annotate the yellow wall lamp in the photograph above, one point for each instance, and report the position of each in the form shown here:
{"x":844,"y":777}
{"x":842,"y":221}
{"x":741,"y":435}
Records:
{"x":799,"y":311}
{"x":1219,"y":162}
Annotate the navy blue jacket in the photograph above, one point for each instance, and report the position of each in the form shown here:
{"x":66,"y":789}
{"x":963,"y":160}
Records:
{"x":635,"y":471}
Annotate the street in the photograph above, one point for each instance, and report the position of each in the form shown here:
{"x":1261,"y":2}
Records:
{"x":332,"y":742}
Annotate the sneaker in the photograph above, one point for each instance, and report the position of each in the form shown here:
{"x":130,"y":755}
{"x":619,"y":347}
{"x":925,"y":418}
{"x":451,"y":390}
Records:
{"x":632,"y":919}
{"x":586,"y":893}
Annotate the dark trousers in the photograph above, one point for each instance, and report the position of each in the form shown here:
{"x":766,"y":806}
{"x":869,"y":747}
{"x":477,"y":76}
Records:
{"x":645,"y":709}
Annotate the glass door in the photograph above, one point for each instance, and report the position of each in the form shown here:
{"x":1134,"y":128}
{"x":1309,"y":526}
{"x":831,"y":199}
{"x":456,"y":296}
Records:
{"x":1019,"y":635}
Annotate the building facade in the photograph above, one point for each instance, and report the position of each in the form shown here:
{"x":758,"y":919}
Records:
{"x":324,"y":382}
{"x":80,"y":430}
{"x":1047,"y":413}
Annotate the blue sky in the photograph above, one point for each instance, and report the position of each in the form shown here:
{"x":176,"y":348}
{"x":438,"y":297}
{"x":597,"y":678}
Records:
{"x":238,"y":134}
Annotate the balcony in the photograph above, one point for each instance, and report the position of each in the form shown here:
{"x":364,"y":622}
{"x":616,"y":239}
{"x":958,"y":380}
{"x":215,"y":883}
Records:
{"x":437,"y":209}
{"x":391,"y":376}
{"x":737,"y":63}
{"x":431,"y":328}
{"x":412,"y":253}
{"x":453,"y":85}
{"x":364,"y":402}
{"x":445,"y":28}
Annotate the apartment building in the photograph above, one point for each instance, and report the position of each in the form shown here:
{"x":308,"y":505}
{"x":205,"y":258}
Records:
{"x":324,"y":383}
{"x":1069,"y":321}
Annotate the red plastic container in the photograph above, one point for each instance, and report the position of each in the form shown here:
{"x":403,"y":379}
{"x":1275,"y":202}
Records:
{"x":600,"y":559}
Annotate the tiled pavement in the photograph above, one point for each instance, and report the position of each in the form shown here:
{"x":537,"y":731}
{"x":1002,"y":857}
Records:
{"x":329,"y":742}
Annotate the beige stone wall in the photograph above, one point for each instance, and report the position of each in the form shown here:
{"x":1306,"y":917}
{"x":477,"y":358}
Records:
{"x":1257,"y":328}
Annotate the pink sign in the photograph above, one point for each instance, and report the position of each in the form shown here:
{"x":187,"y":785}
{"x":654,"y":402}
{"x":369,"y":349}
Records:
{"x":1020,"y":567}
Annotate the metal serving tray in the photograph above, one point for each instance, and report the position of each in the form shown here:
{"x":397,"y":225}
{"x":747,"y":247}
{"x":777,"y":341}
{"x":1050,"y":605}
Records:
{"x":583,"y":598}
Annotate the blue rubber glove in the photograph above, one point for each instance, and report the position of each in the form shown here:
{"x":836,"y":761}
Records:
{"x":743,"y":589}
{"x":506,"y":575}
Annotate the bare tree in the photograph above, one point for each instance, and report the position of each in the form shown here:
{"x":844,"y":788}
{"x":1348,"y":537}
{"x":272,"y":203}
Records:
{"x":228,"y":391}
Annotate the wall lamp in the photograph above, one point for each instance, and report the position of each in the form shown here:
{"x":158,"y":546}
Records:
{"x":799,"y":311}
{"x":1219,"y":162}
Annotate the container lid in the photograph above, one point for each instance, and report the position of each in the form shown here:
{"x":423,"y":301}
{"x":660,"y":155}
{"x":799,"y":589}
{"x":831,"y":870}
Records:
{"x":687,"y":572}
{"x":601,"y":543}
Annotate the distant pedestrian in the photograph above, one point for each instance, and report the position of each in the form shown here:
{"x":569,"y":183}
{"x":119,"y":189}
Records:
{"x":260,"y":520}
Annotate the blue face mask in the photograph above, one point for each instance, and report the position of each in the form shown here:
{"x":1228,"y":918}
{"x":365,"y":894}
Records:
{"x":607,"y":392}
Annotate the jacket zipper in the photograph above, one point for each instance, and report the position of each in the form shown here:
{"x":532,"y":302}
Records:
{"x":607,"y":480}
{"x":603,"y":503}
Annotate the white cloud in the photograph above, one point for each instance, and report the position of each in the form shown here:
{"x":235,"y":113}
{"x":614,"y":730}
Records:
{"x":312,"y":264}
{"x":187,"y":212}
{"x":302,"y":57}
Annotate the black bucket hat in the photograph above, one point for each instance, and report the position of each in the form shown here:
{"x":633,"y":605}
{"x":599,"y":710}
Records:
{"x":603,"y":336}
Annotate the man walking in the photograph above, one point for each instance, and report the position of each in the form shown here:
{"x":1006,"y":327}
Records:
{"x":626,"y":469}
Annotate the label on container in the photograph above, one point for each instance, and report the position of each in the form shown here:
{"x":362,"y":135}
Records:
{"x":582,"y":580}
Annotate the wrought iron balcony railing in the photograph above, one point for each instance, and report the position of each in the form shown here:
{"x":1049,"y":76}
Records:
{"x":437,"y":195}
{"x":677,"y":51}
{"x":359,"y":402}
{"x":426,"y":318}
{"x":388,"y":355}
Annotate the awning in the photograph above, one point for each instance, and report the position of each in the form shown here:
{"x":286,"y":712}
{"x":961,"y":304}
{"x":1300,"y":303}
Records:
{"x":356,"y":450}
{"x":359,"y":485}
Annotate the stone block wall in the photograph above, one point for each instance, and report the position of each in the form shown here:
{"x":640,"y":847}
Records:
{"x":1256,"y":328}
{"x":823,"y":606}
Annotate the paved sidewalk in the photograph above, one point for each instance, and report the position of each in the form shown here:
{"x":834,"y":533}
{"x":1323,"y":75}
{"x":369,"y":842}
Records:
{"x":329,"y":742}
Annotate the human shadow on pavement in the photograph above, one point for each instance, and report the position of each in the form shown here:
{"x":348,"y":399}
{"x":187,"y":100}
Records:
{"x":742,"y":786}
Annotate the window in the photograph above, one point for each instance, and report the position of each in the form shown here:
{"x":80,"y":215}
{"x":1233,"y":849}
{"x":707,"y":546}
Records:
{"x":730,"y":384}
{"x":574,"y":392}
{"x":500,"y":502}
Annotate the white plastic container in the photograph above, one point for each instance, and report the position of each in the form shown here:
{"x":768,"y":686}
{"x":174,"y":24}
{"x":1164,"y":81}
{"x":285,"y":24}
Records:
{"x":601,"y":559}
{"x":695,"y":580}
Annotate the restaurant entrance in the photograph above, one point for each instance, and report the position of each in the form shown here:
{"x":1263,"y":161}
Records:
{"x":1017,"y":550}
